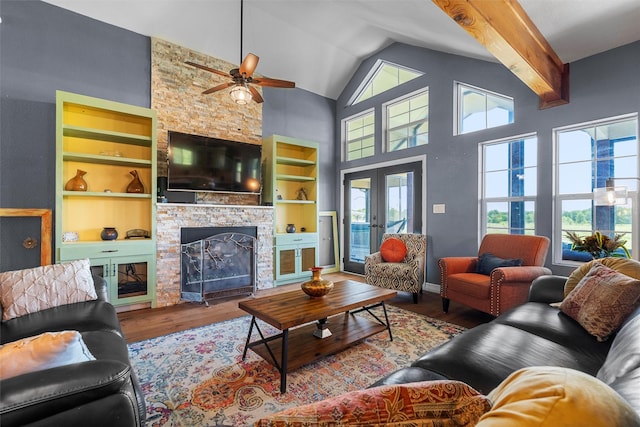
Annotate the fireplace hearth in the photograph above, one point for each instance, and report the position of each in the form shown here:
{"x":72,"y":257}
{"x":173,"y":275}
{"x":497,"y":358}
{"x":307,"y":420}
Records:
{"x":217,"y":262}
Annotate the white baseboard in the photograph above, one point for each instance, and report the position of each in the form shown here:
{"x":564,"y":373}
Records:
{"x":431,"y":287}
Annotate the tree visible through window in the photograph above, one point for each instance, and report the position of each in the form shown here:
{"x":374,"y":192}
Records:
{"x":509,"y":185}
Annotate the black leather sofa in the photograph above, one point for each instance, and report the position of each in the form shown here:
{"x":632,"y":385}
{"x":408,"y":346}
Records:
{"x":533,"y":334}
{"x":101,"y":392}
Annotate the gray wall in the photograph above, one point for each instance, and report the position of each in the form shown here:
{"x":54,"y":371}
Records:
{"x":604,"y":85}
{"x":44,"y":48}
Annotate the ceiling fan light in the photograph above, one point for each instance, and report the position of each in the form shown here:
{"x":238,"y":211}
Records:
{"x":241,"y":94}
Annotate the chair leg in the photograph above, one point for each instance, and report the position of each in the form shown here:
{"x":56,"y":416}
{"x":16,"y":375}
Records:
{"x":415,"y":297}
{"x":445,"y":305}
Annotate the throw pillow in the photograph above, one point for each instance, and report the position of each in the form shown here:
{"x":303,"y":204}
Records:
{"x":35,"y":289}
{"x":428,"y":403}
{"x":44,"y":351}
{"x":393,"y":250}
{"x":602,"y":300}
{"x":488,"y":262}
{"x":630,"y":267}
{"x":555,"y":396}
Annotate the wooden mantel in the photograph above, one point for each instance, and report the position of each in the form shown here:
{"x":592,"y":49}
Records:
{"x":505,"y":29}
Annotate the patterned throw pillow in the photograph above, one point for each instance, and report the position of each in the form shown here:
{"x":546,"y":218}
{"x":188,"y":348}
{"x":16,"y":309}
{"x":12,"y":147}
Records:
{"x":602,"y":300}
{"x":35,"y":289}
{"x":393,"y":250}
{"x":429,"y":403}
{"x":44,"y":351}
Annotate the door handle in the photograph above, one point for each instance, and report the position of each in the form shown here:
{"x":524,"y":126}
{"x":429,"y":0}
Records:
{"x":373,"y":225}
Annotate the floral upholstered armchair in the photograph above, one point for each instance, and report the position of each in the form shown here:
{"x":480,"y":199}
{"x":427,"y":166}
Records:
{"x":405,"y":273}
{"x":499,"y":277}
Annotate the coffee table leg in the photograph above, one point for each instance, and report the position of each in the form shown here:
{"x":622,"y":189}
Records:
{"x":246,"y":344}
{"x":386,"y":318}
{"x":283,"y":363}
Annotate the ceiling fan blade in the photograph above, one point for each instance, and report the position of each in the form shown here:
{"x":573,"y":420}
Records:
{"x":249,"y":65}
{"x":263,"y":81}
{"x":217,"y":88}
{"x":255,"y":94}
{"x":204,"y":67}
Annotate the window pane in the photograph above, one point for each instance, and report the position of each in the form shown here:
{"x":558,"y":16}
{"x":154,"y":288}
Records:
{"x":575,"y":178}
{"x":479,"y":109}
{"x":359,"y":138}
{"x":574,"y":146}
{"x":497,"y":215}
{"x":408,"y":122}
{"x":496,"y":157}
{"x":496,"y":184}
{"x":530,"y":181}
{"x":384,"y":77}
{"x":576,"y":216}
{"x":530,"y":215}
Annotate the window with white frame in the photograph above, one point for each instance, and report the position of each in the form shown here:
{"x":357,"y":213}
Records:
{"x":508,"y":177}
{"x":359,"y":138}
{"x":407,"y":121}
{"x":479,"y":109}
{"x":590,"y":156}
{"x":382,"y":77}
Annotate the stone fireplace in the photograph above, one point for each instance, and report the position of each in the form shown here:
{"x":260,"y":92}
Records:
{"x":173,"y":217}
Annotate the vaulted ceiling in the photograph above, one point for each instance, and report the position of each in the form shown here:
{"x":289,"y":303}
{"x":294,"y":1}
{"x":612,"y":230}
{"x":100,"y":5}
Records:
{"x":320,"y":43}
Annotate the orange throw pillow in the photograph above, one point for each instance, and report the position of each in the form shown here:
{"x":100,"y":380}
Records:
{"x":393,"y":250}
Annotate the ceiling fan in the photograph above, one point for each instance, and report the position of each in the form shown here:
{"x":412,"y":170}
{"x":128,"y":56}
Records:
{"x":242,"y":78}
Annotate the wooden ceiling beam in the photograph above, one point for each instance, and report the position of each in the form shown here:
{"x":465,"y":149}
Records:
{"x":505,"y":29}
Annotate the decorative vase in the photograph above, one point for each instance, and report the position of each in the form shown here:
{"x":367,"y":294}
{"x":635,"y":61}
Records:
{"x":109,"y":233}
{"x":135,"y":186}
{"x":77,"y":183}
{"x":317,"y":286}
{"x":291,"y":228}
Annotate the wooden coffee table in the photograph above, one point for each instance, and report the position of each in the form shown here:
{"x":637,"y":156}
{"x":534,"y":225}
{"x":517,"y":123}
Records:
{"x":312,"y":328}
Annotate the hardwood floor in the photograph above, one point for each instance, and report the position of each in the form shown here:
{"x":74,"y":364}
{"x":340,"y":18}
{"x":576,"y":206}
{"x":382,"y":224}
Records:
{"x":148,"y":323}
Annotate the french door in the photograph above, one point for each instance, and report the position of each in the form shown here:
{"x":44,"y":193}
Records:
{"x":384,"y":200}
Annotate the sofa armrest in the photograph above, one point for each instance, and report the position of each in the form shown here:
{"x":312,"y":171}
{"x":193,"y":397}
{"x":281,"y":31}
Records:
{"x":101,"y":287}
{"x":37,"y":395}
{"x":547,"y":289}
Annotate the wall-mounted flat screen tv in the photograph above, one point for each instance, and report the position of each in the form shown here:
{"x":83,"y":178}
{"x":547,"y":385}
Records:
{"x":200,"y":163}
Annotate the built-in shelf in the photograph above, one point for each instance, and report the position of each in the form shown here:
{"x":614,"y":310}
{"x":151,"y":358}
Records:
{"x":106,"y":160}
{"x":106,"y":135}
{"x":298,"y":178}
{"x":105,"y":194}
{"x":291,"y":161}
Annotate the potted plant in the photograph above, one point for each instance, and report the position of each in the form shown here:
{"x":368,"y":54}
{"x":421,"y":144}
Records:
{"x":599,"y":245}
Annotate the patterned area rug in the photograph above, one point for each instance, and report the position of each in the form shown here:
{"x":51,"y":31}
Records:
{"x":198,"y":377}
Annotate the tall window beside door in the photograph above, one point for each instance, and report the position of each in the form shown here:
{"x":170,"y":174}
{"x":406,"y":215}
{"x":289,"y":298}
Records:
{"x":508,"y":178}
{"x":592,"y":156}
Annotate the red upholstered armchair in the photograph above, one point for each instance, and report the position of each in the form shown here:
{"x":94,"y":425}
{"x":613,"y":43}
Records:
{"x":503,"y":287}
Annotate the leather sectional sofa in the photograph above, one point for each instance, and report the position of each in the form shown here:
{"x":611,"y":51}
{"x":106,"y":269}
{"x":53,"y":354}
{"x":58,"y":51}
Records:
{"x":531,"y":335}
{"x":100,"y":392}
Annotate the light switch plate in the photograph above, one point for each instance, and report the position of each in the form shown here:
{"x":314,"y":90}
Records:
{"x":438,"y":208}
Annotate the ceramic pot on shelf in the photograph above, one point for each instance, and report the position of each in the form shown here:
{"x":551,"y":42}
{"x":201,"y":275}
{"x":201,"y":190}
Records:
{"x":77,"y":183}
{"x":109,"y":233}
{"x":135,"y":186}
{"x":291,"y":228}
